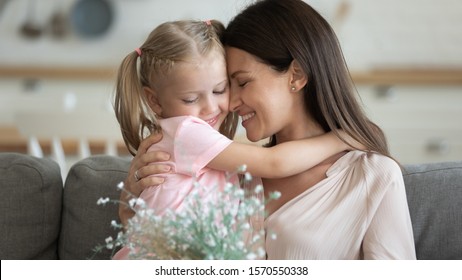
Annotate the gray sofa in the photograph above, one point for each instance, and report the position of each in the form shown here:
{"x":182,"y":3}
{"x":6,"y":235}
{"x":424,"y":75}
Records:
{"x":42,"y":220}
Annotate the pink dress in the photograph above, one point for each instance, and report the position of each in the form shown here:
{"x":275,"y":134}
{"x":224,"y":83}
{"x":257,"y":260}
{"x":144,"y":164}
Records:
{"x":192,"y":144}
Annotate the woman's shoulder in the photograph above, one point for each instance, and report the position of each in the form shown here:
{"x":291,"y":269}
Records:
{"x":374,"y":163}
{"x":379,"y":170}
{"x":381,"y":162}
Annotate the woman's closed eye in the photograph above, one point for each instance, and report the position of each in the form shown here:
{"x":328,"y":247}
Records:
{"x":242,"y":84}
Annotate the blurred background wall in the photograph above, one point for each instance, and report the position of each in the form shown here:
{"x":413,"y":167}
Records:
{"x":60,"y":56}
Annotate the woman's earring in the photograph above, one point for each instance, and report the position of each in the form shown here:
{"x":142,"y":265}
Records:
{"x":292,"y":88}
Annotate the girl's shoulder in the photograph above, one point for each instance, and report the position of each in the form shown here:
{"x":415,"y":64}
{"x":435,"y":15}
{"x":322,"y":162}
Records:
{"x":175,"y":126}
{"x":179,"y":121}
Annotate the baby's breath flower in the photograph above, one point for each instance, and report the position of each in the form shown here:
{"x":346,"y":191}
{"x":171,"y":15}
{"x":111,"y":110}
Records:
{"x":204,"y":228}
{"x":228,"y":187}
{"x":255,"y":201}
{"x":210,"y":241}
{"x":273,"y":236}
{"x":103,"y":201}
{"x":109,"y":242}
{"x":150,"y":212}
{"x":275,"y":195}
{"x":245,"y":226}
{"x":239,"y":192}
{"x":242,"y":168}
{"x":260,"y":252}
{"x":251,"y":256}
{"x":115,"y":224}
{"x":240,"y":244}
{"x":132,"y":202}
{"x":258,"y":189}
{"x":140,"y":202}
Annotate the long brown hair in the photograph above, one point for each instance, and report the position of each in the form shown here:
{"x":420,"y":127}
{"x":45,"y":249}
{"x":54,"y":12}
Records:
{"x":168,"y":44}
{"x":278,"y":32}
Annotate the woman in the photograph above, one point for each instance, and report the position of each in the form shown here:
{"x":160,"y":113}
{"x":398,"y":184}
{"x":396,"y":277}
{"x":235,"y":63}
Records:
{"x":289,"y":81}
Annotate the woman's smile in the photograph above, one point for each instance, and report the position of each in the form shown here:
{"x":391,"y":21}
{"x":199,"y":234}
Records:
{"x":246,"y":117}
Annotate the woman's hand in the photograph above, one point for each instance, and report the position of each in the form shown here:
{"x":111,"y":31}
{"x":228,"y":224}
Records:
{"x":139,"y":178}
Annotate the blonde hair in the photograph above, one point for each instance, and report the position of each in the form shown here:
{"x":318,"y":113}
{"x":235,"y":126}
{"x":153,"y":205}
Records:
{"x":168,"y":44}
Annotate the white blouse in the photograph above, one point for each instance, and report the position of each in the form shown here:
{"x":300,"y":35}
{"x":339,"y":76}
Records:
{"x":359,"y":211}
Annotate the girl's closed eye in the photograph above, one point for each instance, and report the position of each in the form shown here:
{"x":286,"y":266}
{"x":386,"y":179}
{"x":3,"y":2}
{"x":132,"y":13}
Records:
{"x":190,"y":100}
{"x":220,"y":91}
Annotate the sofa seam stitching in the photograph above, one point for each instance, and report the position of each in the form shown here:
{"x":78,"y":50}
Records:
{"x":432,"y":170}
{"x":98,"y":169}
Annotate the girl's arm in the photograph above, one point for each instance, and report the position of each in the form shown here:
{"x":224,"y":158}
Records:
{"x":283,"y":160}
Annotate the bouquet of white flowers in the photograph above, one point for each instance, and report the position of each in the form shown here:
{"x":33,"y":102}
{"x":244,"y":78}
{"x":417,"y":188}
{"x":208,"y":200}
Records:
{"x":227,"y":227}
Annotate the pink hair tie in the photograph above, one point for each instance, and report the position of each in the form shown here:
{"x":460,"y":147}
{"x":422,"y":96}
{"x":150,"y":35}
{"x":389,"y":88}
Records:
{"x":138,"y":51}
{"x":208,"y":22}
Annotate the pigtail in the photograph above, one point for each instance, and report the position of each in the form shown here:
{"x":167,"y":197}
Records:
{"x":218,"y":28}
{"x":128,"y":104}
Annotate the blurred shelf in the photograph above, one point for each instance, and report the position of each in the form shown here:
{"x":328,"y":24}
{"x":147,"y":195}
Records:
{"x":385,"y":76}
{"x":409,"y":77}
{"x":84,"y":73}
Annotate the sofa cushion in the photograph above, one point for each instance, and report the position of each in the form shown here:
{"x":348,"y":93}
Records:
{"x":30,"y":207}
{"x":434,"y":194}
{"x":86,"y":225}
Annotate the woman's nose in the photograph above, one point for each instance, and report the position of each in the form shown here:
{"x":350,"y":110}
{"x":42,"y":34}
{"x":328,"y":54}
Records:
{"x":234,"y":102}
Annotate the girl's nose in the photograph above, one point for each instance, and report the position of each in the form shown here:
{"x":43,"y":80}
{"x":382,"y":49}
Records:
{"x":209,"y":106}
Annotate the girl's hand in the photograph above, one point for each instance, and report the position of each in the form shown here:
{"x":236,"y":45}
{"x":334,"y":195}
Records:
{"x":140,"y":166}
{"x":351,"y":144}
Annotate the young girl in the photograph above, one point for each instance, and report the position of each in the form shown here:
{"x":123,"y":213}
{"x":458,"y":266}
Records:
{"x":181,"y":89}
